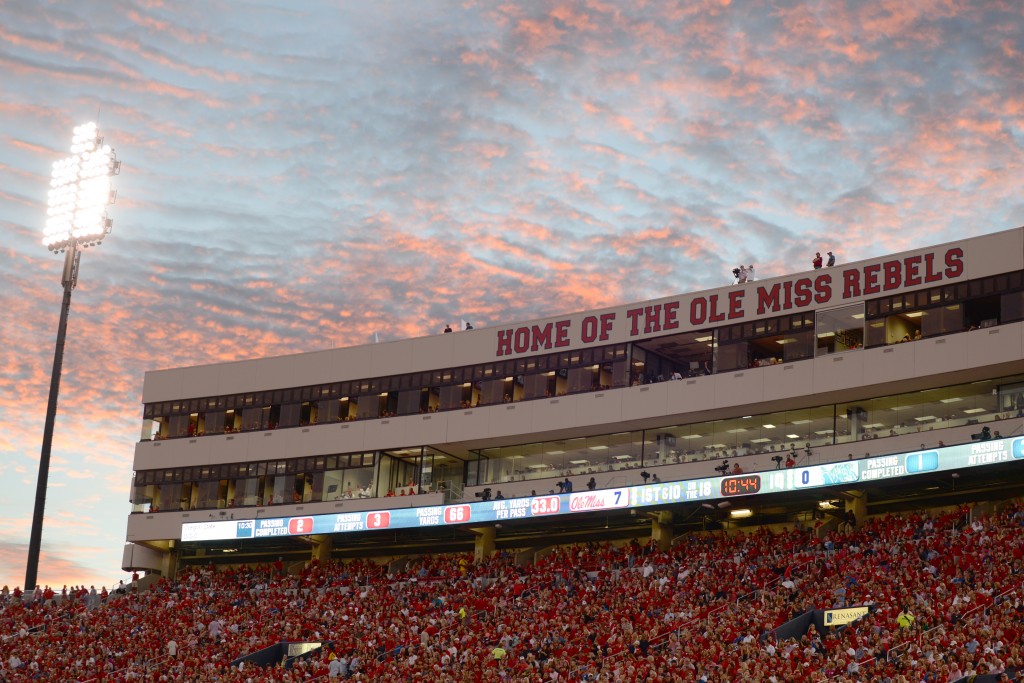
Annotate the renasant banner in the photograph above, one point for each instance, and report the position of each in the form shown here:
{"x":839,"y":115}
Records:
{"x":846,"y":615}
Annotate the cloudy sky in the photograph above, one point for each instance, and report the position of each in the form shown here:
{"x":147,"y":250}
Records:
{"x":295,"y":179}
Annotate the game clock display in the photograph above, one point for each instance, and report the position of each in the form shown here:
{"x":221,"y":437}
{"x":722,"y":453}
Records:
{"x":741,"y":485}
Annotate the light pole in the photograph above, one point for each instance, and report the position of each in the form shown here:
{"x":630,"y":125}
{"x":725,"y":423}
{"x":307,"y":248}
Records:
{"x":76,"y":218}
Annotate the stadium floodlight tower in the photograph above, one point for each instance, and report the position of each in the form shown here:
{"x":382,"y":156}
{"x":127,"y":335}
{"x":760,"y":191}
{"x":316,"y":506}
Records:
{"x":76,"y":218}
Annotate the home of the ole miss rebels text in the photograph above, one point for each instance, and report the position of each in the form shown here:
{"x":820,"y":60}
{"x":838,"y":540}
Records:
{"x":694,"y":311}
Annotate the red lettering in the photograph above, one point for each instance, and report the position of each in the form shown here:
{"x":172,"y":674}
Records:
{"x":929,"y":272}
{"x":822,"y":288}
{"x":768,"y":300}
{"x":607,"y":320}
{"x":634,"y":315}
{"x":541,"y":337}
{"x":562,"y":333}
{"x":698,"y":310}
{"x":954,"y":262}
{"x":871,"y":279}
{"x":736,"y":303}
{"x":802,"y":292}
{"x":522,"y":340}
{"x":652,"y":319}
{"x":912,"y":266}
{"x":851,"y":283}
{"x":787,"y":288}
{"x":671,"y":315}
{"x":589,"y":501}
{"x":504,"y":342}
{"x":713,"y":315}
{"x":892,"y":277}
{"x":589,"y":332}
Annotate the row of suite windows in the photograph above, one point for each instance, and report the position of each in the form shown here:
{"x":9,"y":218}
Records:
{"x":772,"y":435}
{"x":791,"y":337}
{"x":933,"y":312}
{"x":295,"y":480}
{"x":492,"y":383}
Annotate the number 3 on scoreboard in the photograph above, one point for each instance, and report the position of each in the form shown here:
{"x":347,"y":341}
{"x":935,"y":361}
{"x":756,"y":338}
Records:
{"x":378,"y":520}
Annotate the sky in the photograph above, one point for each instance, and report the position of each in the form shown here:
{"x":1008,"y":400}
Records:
{"x":300,"y":176}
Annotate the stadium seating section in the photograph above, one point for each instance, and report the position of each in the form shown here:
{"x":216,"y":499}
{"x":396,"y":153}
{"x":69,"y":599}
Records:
{"x":706,"y":610}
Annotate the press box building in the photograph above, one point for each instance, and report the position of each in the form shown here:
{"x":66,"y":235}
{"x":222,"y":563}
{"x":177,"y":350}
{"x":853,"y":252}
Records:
{"x":908,"y":353}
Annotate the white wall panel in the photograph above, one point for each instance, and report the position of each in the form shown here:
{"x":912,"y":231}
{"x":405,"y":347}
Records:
{"x":690,"y":395}
{"x":1000,"y":252}
{"x":229,"y":448}
{"x":599,"y":407}
{"x":350,"y":363}
{"x":240,"y":377}
{"x":555,"y":413}
{"x":838,"y":371}
{"x":164,"y":385}
{"x":739,"y":386}
{"x":272,"y":444}
{"x":465,"y":425}
{"x":644,"y":401}
{"x":995,"y":345}
{"x":425,"y":429}
{"x":392,"y":358}
{"x":434,"y":353}
{"x":510,"y":419}
{"x":385,"y":433}
{"x":283,"y":372}
{"x":151,"y":455}
{"x":788,"y":380}
{"x":136,"y":556}
{"x":889,"y":363}
{"x":935,"y":356}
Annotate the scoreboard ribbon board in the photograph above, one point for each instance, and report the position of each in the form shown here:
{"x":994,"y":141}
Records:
{"x":848,"y":472}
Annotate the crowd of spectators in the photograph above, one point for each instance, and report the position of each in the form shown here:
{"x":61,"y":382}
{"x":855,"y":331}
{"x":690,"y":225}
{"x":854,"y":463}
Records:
{"x":941,"y":592}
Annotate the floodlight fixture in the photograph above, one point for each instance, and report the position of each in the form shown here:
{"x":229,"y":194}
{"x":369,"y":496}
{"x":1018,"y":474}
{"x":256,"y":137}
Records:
{"x":76,"y":217}
{"x":80,"y":191}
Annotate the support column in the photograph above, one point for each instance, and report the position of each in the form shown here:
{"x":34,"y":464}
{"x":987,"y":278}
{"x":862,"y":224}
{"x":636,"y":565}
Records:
{"x":661,"y":529}
{"x":322,"y":546}
{"x":857,"y":503}
{"x":483,"y":547}
{"x":169,"y":562}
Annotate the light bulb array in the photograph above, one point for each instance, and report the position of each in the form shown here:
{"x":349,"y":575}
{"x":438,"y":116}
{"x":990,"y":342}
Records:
{"x":80,"y":191}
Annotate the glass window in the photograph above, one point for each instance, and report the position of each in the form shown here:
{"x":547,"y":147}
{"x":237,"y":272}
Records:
{"x":178,"y":426}
{"x":247,"y":492}
{"x":732,"y":356}
{"x":329,"y":410}
{"x":1011,"y":307}
{"x":797,"y":346}
{"x":942,"y":320}
{"x":839,"y":329}
{"x":210,"y":494}
{"x":289,"y":415}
